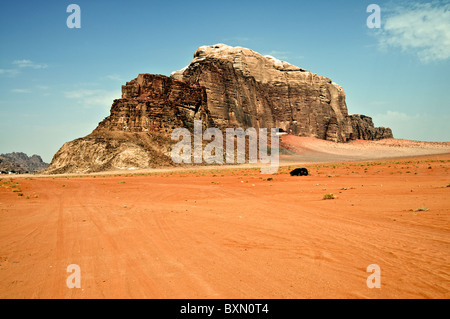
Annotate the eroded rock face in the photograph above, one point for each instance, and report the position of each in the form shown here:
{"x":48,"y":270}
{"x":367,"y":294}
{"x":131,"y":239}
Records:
{"x":247,"y":89}
{"x":136,"y":135}
{"x":158,"y":104}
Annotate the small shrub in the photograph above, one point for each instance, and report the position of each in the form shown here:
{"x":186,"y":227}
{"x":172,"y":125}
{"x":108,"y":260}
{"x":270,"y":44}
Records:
{"x":270,"y":179}
{"x":329,"y":196}
{"x":422,"y":209}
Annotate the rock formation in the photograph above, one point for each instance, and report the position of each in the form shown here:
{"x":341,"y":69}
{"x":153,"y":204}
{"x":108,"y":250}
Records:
{"x":136,"y":134}
{"x":158,"y":104}
{"x":246,"y":89}
{"x":20,"y":163}
{"x":224,"y":87}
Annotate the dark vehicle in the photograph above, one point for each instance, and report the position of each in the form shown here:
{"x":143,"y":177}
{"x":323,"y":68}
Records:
{"x":299,"y":172}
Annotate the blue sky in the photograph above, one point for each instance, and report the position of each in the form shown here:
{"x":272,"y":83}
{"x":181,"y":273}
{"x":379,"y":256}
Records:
{"x":57,"y":84}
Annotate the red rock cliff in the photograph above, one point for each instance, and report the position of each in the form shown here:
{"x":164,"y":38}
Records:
{"x":247,"y":89}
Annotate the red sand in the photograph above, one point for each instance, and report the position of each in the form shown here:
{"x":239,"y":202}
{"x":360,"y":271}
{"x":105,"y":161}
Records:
{"x":231,"y":233}
{"x":309,"y":149}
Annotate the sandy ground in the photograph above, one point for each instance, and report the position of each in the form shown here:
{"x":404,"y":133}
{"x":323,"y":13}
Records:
{"x":231,"y":233}
{"x":308,"y":149}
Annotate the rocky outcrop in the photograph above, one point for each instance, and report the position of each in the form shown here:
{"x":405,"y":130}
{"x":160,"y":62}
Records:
{"x":136,"y":134}
{"x":112,"y":151}
{"x":224,"y":87}
{"x":156,"y":104}
{"x":21,"y":163}
{"x":246,"y":89}
{"x":363,"y":129}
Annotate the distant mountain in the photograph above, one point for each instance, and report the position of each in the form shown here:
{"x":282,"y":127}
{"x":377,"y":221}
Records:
{"x":21,"y":163}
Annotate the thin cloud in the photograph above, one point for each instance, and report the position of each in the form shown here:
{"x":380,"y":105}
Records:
{"x":81,"y":94}
{"x":114,"y":77}
{"x":419,"y":28}
{"x":9,"y":71}
{"x":20,"y":65}
{"x":92,"y":98}
{"x":236,"y":39}
{"x":20,"y":91}
{"x":378,"y":103}
{"x":391,"y":116}
{"x":29,"y":64}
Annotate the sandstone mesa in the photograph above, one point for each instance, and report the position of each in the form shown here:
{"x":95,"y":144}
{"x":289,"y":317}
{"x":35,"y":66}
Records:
{"x":224,"y":87}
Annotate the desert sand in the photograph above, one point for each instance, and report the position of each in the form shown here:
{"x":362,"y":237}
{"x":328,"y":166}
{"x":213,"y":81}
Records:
{"x":231,"y":232}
